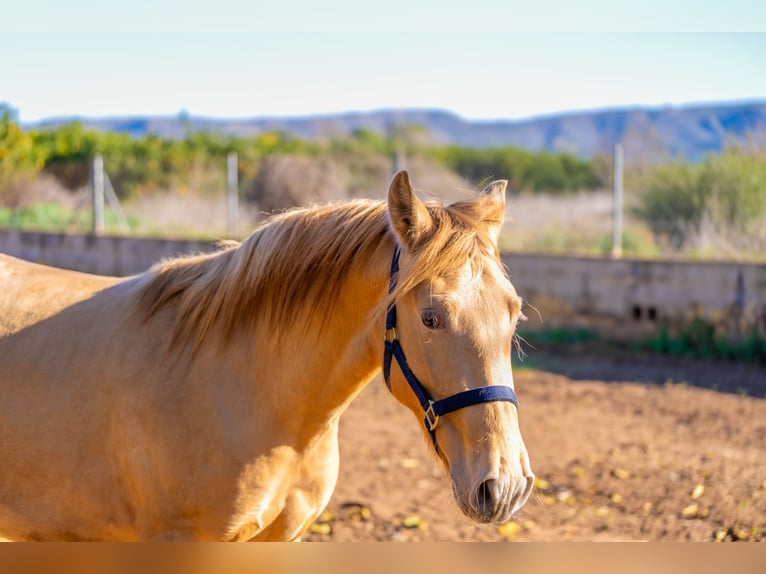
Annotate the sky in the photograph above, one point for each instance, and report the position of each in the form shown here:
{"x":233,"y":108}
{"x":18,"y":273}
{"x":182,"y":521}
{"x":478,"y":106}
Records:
{"x":481,"y":60}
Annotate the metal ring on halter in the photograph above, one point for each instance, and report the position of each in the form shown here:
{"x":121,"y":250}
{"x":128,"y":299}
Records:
{"x":432,"y":419}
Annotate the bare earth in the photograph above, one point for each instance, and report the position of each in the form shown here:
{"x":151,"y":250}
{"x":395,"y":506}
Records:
{"x":625,"y":447}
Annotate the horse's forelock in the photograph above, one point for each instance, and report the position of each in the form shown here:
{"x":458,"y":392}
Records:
{"x":456,"y":239}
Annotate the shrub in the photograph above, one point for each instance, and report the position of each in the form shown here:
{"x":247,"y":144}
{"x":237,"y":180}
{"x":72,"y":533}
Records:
{"x":284,"y":181}
{"x":725,"y":195}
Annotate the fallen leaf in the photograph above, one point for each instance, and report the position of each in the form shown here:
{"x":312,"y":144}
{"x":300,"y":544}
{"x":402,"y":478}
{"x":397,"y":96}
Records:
{"x":541,"y":484}
{"x":548,"y":500}
{"x":510,"y":530}
{"x":616,"y":498}
{"x":365,"y":513}
{"x":698,"y":491}
{"x":690,"y":511}
{"x":327,"y":516}
{"x":529,"y":524}
{"x":601,"y":512}
{"x":412,"y":521}
{"x":738,"y":533}
{"x":565,"y":496}
{"x":320,"y":528}
{"x":720,"y":535}
{"x":621,"y":473}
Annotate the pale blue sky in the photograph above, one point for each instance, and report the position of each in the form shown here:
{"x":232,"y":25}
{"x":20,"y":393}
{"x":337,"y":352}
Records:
{"x":489,"y":62}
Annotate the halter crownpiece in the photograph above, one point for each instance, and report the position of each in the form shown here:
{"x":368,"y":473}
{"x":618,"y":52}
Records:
{"x":432,"y":409}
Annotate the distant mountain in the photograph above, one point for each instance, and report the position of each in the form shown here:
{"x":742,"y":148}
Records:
{"x":647,"y":134}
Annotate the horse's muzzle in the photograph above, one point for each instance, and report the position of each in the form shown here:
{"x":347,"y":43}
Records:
{"x":495,"y":500}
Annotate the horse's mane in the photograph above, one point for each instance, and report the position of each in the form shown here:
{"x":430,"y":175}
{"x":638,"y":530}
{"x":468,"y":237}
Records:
{"x":297,"y":262}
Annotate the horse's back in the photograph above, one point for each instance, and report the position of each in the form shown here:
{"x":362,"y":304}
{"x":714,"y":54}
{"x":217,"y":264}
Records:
{"x":30,"y":292}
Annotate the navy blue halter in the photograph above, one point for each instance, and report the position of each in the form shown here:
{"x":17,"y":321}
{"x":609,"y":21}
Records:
{"x":432,"y":409}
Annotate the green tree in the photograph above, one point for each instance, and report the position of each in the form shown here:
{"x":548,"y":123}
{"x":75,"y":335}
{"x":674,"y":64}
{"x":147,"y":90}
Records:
{"x":67,"y":151}
{"x":18,"y":155}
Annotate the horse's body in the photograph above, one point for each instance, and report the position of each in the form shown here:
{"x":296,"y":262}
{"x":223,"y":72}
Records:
{"x":201,"y":399}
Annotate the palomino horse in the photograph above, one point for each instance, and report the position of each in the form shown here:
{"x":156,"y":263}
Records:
{"x":200,"y":400}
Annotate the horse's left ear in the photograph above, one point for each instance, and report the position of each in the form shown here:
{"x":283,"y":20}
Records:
{"x":489,"y":207}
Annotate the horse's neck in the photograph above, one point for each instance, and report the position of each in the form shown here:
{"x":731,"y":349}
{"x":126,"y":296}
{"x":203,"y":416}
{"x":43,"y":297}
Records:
{"x":346,"y":350}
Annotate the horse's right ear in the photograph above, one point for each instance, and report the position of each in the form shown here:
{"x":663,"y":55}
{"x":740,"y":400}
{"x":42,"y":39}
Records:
{"x":408,"y":215}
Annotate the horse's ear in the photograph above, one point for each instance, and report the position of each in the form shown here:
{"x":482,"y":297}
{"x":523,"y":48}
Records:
{"x":408,"y":215}
{"x":490,"y":207}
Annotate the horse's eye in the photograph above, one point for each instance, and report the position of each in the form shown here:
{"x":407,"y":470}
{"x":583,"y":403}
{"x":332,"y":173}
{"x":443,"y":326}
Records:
{"x":431,"y":320}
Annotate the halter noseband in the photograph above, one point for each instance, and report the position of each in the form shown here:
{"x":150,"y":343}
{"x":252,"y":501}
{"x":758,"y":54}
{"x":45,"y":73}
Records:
{"x":432,"y":409}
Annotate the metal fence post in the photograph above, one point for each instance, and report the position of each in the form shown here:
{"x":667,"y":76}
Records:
{"x":98,"y":195}
{"x":617,"y":204}
{"x":398,"y":160}
{"x":232,"y":195}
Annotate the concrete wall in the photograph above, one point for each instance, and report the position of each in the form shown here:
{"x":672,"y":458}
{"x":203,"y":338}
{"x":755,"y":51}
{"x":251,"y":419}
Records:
{"x":622,"y":297}
{"x":635,"y":296}
{"x":103,"y":255}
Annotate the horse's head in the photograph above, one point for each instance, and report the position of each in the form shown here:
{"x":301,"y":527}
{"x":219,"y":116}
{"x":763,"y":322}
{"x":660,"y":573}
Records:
{"x":456,"y":312}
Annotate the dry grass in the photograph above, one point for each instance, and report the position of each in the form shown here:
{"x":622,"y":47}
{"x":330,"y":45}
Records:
{"x":576,"y":223}
{"x":166,"y":214}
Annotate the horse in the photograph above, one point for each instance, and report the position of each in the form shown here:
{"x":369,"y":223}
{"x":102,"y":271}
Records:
{"x":200,"y":399}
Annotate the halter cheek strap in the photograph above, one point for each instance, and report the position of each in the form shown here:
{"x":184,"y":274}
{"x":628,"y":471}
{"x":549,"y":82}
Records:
{"x":432,"y":409}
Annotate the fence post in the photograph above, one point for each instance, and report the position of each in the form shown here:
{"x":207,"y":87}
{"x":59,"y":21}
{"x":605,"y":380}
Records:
{"x":398,"y":160}
{"x":617,"y":204}
{"x":98,"y":195}
{"x":232,"y":195}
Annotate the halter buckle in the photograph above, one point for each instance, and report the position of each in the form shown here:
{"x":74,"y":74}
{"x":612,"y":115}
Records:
{"x":432,"y":419}
{"x":391,"y":335}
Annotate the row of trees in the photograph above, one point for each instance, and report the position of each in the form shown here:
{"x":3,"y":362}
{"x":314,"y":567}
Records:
{"x":527,"y":171}
{"x":138,"y":165}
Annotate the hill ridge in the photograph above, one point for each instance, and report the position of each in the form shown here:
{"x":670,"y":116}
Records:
{"x":647,"y":133}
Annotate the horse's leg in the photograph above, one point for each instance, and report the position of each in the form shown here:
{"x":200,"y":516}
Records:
{"x":300,"y":511}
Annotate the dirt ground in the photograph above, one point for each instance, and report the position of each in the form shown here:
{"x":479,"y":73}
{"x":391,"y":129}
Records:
{"x":625,"y":446}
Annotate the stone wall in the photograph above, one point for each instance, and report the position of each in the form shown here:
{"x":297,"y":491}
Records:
{"x":104,"y":255}
{"x":633,"y":297}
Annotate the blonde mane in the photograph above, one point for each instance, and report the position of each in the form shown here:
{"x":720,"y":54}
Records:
{"x":297,"y":263}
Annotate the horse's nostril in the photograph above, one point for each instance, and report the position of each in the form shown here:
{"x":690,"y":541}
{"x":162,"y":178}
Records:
{"x":487,"y":497}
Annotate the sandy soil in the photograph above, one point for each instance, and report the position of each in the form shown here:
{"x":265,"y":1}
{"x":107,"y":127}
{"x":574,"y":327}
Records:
{"x":625,"y":447}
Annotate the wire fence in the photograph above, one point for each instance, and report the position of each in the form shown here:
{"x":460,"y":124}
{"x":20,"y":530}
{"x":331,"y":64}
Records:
{"x":604,"y":226}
